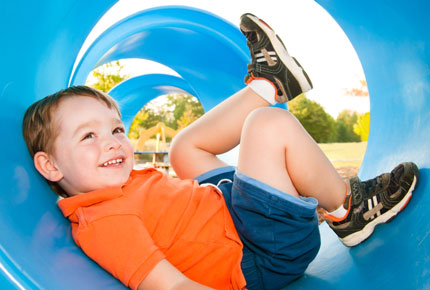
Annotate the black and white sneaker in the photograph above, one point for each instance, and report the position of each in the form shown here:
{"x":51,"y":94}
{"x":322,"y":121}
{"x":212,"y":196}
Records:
{"x":374,"y":202}
{"x":271,"y":61}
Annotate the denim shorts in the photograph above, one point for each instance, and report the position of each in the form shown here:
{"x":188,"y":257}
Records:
{"x":279,"y":232}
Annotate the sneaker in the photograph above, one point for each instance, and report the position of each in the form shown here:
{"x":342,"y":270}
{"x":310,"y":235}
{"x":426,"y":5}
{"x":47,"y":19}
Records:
{"x":271,"y":61}
{"x":374,"y":202}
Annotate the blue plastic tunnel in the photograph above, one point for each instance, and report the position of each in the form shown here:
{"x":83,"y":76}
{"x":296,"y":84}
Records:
{"x":40,"y":41}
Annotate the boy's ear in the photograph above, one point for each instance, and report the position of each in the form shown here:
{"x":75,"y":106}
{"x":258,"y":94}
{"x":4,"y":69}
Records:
{"x":46,"y":166}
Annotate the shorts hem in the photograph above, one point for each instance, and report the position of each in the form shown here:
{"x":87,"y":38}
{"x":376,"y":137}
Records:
{"x":214,"y":172}
{"x":274,"y":196}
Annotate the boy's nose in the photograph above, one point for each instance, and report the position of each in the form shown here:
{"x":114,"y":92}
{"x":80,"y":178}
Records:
{"x":112,"y":143}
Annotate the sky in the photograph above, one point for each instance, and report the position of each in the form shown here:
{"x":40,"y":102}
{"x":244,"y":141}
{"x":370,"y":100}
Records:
{"x":310,"y":34}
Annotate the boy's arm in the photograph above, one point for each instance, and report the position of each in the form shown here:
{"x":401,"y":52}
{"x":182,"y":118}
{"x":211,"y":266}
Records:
{"x":166,"y":276}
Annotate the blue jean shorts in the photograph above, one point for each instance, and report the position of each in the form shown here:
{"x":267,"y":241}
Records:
{"x":279,"y":232}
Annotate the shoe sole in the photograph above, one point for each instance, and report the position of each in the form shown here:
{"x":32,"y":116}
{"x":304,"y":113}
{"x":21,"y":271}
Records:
{"x":291,"y":64}
{"x":358,"y":237}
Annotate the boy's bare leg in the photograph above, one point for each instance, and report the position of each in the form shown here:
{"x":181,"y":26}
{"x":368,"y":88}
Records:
{"x":194,"y":149}
{"x":277,"y":150}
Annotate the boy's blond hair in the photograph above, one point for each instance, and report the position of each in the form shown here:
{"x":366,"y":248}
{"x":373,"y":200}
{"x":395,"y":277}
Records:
{"x":39,"y":130}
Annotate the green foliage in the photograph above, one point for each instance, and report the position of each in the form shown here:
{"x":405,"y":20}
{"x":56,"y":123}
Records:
{"x":344,"y":127}
{"x":107,"y":76}
{"x":362,"y":126}
{"x":180,"y":110}
{"x":177,"y":112}
{"x":136,"y":125}
{"x":187,"y":117}
{"x":146,"y":118}
{"x":348,"y":127}
{"x":319,"y":124}
{"x":184,"y":106}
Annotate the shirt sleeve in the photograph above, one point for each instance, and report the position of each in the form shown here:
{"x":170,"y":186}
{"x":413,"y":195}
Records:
{"x":122,"y":246}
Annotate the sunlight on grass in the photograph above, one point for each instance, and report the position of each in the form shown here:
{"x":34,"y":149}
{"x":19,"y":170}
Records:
{"x":345,"y":154}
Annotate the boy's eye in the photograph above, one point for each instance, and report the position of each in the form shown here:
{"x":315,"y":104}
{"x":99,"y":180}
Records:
{"x":118,"y":130}
{"x":89,"y":136}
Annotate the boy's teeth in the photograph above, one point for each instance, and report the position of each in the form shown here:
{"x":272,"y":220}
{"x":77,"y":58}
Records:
{"x":112,"y":162}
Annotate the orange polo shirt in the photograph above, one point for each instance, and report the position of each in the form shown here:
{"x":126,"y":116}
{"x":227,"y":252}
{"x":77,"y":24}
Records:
{"x":127,"y":230}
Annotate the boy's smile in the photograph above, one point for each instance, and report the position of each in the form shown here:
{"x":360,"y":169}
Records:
{"x":91,"y":150}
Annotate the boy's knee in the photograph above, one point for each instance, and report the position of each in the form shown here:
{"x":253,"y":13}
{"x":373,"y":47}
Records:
{"x":270,"y":117}
{"x":269,"y":124}
{"x":177,"y":149}
{"x":181,"y":149}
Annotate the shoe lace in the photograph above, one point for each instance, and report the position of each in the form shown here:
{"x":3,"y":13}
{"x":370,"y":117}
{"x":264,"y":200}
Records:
{"x":371,"y":185}
{"x":251,"y":36}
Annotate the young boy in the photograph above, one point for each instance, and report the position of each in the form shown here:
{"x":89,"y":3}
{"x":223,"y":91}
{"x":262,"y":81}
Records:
{"x":254,"y":226}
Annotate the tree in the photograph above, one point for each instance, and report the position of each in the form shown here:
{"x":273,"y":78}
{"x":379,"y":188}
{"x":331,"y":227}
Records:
{"x":345,"y":127}
{"x":179,"y":104}
{"x":136,"y":125}
{"x":107,"y":76}
{"x":187,"y":118}
{"x":146,"y":118}
{"x":362,"y":126}
{"x":177,"y":112}
{"x":319,"y":124}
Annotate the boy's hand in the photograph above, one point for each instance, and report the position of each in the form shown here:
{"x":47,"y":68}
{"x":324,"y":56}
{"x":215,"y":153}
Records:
{"x":165,"y":276}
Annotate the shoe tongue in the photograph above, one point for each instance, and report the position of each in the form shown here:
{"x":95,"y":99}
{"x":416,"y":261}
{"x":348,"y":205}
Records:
{"x":397,"y":172}
{"x":355,"y":192}
{"x":251,"y":36}
{"x":395,"y":176}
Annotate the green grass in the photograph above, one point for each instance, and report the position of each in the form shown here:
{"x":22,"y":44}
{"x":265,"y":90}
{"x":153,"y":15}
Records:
{"x":345,"y":154}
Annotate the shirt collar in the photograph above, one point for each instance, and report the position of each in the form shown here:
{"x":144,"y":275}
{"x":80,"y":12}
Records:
{"x":70,"y":204}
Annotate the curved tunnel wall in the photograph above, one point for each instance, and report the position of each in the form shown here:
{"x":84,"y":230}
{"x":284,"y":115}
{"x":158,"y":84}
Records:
{"x":203,"y":49}
{"x":391,"y":38}
{"x":39,"y":49}
{"x":135,"y":92}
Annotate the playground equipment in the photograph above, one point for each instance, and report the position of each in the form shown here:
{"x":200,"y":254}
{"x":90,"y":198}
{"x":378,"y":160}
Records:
{"x":39,"y":44}
{"x":160,"y":131}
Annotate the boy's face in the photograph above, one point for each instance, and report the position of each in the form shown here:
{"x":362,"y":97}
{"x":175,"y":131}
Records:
{"x":92,"y":150}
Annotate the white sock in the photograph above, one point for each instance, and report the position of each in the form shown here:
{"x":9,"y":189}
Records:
{"x":340,"y":212}
{"x":264,"y":89}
